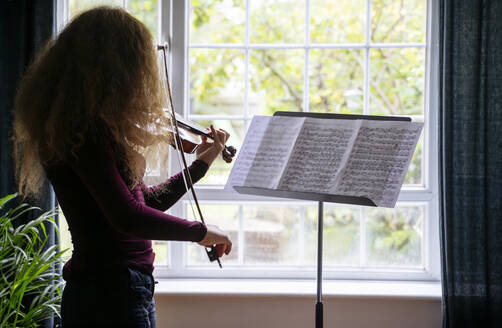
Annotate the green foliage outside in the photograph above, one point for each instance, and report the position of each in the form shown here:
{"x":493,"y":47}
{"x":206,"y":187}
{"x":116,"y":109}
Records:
{"x":271,"y":235}
{"x":336,"y":79}
{"x":394,"y":236}
{"x":30,"y":285}
{"x":340,"y":234}
{"x":335,"y":85}
{"x":144,"y":10}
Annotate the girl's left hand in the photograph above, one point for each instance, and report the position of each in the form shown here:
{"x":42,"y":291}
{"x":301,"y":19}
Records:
{"x":209,"y":150}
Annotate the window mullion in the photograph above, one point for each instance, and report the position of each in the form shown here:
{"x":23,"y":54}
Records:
{"x":362,"y":238}
{"x":301,"y":237}
{"x":349,"y":46}
{"x":246,"y":64}
{"x":179,"y":53}
{"x":176,"y":248}
{"x":240,"y":237}
{"x":432,"y":263}
{"x":306,"y":71}
{"x":164,"y":26}
{"x":366,"y":87}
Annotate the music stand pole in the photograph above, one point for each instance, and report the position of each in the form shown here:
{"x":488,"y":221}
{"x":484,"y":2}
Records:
{"x":318,"y":305}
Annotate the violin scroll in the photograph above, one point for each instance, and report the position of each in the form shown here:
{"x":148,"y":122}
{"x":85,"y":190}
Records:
{"x":228,"y":153}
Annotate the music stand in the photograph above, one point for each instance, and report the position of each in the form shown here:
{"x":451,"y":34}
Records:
{"x":320,"y":198}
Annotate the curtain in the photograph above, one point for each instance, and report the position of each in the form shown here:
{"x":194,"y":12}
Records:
{"x":25,"y":27}
{"x":471,"y":162}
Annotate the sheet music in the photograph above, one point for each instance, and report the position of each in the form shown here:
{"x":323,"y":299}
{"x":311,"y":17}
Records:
{"x":378,"y":161}
{"x":320,"y":151}
{"x":264,"y":152}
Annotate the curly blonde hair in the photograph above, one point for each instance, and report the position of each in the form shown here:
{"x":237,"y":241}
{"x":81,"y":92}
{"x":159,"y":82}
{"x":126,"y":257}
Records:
{"x":102,"y":67}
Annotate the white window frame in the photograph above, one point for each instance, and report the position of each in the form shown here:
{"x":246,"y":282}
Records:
{"x":173,"y":26}
{"x":175,"y":32}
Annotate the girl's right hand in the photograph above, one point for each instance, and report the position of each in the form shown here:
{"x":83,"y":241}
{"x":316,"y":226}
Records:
{"x":215,"y":237}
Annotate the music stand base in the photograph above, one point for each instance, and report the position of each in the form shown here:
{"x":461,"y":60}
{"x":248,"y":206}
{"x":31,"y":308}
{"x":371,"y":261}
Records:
{"x":318,"y":315}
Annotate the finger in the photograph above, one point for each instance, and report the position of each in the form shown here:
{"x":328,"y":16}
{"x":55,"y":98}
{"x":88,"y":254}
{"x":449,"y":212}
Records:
{"x":220,"y":249}
{"x":223,"y":135}
{"x":219,"y":138}
{"x":229,"y":248}
{"x":214,"y":134}
{"x":227,"y":135}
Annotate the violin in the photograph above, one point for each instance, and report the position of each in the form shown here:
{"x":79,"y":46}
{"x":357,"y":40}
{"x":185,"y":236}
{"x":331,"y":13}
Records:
{"x":187,"y":135}
{"x":190,"y":134}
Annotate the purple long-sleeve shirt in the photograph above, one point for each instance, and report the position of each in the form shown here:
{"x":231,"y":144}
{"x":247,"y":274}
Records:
{"x":112,"y":226}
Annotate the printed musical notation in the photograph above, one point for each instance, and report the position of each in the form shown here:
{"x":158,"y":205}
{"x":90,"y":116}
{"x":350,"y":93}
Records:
{"x":273,"y":152}
{"x":321,"y":148}
{"x":264,"y":152}
{"x":378,"y":161}
{"x":363,"y":158}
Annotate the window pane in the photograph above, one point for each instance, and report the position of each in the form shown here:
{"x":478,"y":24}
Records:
{"x":394,"y":236}
{"x":217,"y":21}
{"x":276,"y":79}
{"x":161,"y":249}
{"x":146,"y":11}
{"x":65,"y":242}
{"x":340,"y":21}
{"x":277,"y":21}
{"x":340,"y":236}
{"x":398,"y":21}
{"x":397,"y":81}
{"x":75,"y":7}
{"x":271,"y":234}
{"x":226,"y":217}
{"x":216,"y":81}
{"x":220,"y":170}
{"x":336,"y":81}
{"x":414,"y":174}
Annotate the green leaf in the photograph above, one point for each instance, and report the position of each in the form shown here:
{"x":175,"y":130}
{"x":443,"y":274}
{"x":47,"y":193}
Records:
{"x":6,"y":199}
{"x":26,"y":270}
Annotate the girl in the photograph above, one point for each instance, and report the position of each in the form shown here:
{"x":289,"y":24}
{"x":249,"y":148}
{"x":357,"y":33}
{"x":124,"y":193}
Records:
{"x":88,"y":116}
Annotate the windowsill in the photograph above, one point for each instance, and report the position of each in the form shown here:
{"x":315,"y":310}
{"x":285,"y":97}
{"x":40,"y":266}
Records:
{"x":351,"y":289}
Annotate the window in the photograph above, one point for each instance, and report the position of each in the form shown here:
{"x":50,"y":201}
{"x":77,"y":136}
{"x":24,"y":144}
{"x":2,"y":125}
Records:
{"x":232,"y":59}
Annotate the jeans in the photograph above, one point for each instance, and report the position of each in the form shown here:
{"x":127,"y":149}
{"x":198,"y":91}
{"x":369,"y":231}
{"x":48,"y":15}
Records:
{"x":122,"y":300}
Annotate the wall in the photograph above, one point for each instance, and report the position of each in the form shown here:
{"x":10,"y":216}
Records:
{"x":220,"y":311}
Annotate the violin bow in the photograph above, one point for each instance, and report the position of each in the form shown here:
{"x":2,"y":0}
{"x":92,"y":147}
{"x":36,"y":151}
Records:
{"x":187,"y":178}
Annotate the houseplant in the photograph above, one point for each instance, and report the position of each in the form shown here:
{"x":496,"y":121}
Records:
{"x":30,"y":284}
